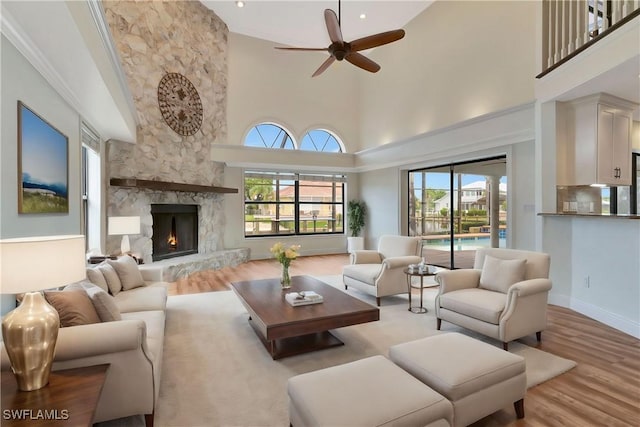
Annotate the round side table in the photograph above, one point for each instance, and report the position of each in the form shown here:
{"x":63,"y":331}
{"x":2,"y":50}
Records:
{"x":415,"y":272}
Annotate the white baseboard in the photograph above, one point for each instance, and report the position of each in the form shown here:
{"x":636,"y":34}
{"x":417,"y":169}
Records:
{"x":608,"y":318}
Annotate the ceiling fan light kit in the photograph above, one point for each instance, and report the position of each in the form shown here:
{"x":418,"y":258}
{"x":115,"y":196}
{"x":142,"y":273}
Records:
{"x":340,"y":50}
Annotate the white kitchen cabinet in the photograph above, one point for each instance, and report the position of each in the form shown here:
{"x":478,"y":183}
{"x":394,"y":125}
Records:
{"x":598,"y":141}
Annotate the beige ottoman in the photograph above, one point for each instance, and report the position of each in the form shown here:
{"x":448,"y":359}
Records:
{"x":368,"y":392}
{"x":477,"y":378}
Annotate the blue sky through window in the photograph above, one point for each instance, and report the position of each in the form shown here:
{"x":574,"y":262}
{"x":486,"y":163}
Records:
{"x":267,"y":135}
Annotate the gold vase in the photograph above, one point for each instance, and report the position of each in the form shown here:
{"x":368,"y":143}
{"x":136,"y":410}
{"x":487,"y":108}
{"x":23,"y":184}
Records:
{"x":30,"y":333}
{"x":285,"y":279}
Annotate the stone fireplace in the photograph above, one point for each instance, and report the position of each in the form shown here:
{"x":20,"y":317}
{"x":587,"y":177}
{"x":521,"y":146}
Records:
{"x":175,"y":230}
{"x":153,"y":39}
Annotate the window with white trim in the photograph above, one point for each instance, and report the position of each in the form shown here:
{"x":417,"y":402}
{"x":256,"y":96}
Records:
{"x":320,"y":140}
{"x":269,"y":135}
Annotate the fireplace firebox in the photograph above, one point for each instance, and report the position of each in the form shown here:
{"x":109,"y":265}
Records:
{"x":175,"y":230}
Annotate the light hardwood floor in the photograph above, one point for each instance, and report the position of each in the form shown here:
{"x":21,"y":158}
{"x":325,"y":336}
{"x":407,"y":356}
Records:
{"x":603,"y":390}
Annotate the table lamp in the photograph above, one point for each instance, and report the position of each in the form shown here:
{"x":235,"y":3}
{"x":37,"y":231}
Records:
{"x":30,"y":331}
{"x":123,"y":226}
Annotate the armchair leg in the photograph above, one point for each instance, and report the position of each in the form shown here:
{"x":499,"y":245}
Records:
{"x":438,"y":324}
{"x":148,"y":419}
{"x":345,"y":287}
{"x":378,"y":301}
{"x":505,"y":346}
{"x":519,"y":407}
{"x":539,"y":336}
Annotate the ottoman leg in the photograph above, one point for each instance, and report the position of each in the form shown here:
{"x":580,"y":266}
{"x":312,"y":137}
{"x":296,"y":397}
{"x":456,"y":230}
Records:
{"x":519,"y":407}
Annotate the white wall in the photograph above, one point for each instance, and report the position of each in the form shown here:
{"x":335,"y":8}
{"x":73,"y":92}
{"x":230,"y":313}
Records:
{"x":266,"y":84}
{"x":20,"y":81}
{"x":458,"y":60}
{"x":605,"y":265}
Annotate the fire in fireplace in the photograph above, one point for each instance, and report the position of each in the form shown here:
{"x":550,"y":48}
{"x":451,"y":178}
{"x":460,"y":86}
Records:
{"x":175,"y":230}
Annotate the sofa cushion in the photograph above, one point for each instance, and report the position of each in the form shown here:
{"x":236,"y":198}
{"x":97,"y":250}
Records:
{"x":104,"y":304}
{"x":456,"y":365}
{"x":146,"y":298}
{"x":73,"y":306}
{"x":128,"y":273}
{"x":367,"y":273}
{"x":478,"y":303}
{"x":499,"y":274}
{"x":111,"y":277}
{"x":154,"y":320}
{"x":96,"y":277}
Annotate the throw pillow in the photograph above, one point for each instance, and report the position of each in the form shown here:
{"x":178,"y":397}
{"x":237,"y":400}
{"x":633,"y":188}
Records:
{"x":74,"y":307}
{"x":111,"y":277}
{"x":499,"y":274}
{"x":128,"y":272}
{"x":104,"y":303}
{"x":96,"y":277}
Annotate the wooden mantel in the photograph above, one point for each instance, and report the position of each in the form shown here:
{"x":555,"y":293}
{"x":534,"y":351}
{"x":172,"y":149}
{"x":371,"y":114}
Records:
{"x":168,"y":186}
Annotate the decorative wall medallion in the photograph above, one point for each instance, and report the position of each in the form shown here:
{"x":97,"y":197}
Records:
{"x":180,"y":104}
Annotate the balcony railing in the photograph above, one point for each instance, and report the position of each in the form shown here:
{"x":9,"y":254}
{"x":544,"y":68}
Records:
{"x":570,"y":26}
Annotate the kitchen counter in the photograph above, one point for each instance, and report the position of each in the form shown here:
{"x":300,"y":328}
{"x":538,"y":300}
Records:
{"x":588,"y":215}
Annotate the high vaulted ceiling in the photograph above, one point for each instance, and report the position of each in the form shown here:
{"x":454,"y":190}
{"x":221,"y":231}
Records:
{"x":301,"y":22}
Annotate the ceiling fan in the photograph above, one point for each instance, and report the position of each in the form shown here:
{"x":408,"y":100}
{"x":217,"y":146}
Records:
{"x":340,"y":49}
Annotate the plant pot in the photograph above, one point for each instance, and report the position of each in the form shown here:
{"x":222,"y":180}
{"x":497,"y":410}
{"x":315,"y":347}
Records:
{"x":355,"y":244}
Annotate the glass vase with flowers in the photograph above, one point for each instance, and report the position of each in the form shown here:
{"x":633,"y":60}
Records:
{"x":284,"y":257}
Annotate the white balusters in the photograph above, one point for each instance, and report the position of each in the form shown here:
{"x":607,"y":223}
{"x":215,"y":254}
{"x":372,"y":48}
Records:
{"x":567,"y":23}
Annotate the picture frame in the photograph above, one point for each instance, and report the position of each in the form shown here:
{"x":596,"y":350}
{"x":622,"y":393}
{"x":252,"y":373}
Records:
{"x":43,"y":165}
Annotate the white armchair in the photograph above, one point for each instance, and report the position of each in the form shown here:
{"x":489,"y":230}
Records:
{"x":504,"y":296}
{"x":380,"y":273}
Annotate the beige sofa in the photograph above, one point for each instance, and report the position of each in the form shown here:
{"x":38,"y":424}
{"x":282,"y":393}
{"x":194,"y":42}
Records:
{"x":131,"y":346}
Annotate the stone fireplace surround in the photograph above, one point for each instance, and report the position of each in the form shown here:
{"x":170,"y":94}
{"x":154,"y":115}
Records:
{"x":135,"y":201}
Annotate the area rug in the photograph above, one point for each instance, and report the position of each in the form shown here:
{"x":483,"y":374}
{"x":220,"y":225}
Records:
{"x":216,"y":372}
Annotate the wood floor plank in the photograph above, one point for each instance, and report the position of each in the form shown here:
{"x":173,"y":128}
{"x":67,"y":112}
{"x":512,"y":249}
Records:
{"x":602,"y":391}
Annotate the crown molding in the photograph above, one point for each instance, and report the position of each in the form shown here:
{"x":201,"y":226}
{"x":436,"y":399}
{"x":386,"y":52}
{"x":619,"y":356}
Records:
{"x":18,"y":37}
{"x":102,"y":27}
{"x":497,"y":129}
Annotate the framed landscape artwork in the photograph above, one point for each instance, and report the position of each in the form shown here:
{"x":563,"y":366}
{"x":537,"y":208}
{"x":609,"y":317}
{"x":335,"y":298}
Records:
{"x":43,"y":165}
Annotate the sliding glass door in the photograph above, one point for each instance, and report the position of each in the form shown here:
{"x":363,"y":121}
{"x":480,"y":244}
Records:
{"x":457,"y":208}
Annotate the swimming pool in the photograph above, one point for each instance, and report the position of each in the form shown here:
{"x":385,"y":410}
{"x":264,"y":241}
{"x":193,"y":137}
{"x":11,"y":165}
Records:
{"x":463,"y":243}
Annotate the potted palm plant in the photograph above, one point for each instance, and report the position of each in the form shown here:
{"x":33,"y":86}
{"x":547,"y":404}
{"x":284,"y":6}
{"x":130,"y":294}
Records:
{"x":356,"y":212}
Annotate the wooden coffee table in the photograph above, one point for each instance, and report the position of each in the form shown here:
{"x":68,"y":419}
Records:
{"x":286,"y":330}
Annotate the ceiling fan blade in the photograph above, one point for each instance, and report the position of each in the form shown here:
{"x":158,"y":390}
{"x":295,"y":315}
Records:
{"x":333,"y":26}
{"x":362,"y":61}
{"x":376,"y":40}
{"x":324,"y":66}
{"x":302,"y":48}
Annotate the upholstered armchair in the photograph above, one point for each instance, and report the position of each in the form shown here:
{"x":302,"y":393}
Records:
{"x":380,"y":272}
{"x":504,"y":296}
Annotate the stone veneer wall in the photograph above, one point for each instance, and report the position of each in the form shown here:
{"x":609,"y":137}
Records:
{"x":154,"y":38}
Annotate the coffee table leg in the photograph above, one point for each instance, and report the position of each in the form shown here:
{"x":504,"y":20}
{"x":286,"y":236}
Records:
{"x":409,"y":287}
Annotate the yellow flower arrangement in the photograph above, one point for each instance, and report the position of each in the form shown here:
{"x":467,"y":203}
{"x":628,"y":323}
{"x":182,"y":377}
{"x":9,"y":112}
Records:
{"x":285,"y":255}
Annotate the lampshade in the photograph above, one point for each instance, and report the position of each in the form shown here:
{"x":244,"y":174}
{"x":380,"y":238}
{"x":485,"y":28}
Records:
{"x":37,"y":263}
{"x":30,"y":331}
{"x":120,"y":225}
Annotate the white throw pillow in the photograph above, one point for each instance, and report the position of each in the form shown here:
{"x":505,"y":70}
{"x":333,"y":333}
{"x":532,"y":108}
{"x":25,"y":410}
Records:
{"x":499,"y":274}
{"x":111,"y":277}
{"x":96,"y":277}
{"x":104,"y":303}
{"x":128,"y":272}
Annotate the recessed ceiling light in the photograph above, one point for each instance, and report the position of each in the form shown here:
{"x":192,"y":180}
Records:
{"x":363,"y":16}
{"x":240,"y":3}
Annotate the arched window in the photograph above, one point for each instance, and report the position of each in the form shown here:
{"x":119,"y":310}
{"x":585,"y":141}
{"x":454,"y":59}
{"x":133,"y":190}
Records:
{"x":320,"y":140}
{"x":269,"y":135}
